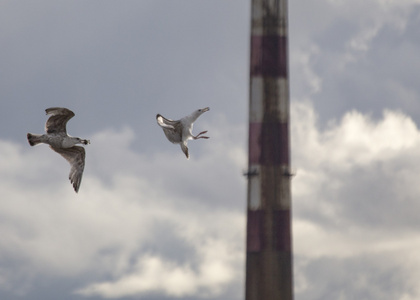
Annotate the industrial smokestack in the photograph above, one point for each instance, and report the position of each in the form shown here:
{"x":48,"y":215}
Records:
{"x":269,"y":247}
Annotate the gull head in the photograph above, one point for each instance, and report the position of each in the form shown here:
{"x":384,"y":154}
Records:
{"x":202,"y":110}
{"x":84,"y":142}
{"x":195,"y":114}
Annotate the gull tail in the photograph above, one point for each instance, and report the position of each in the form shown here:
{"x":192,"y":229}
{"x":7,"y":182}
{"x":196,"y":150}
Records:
{"x":185,"y":150}
{"x":34,"y":139}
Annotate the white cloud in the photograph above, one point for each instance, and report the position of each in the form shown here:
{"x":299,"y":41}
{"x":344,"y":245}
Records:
{"x":356,"y":141}
{"x":354,"y":197}
{"x":155,"y":225}
{"x":216,"y":267}
{"x":178,"y":219}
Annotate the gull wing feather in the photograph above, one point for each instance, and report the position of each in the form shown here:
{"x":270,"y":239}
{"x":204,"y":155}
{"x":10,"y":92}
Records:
{"x":76,"y":157}
{"x":164,"y":122}
{"x":171,"y":128}
{"x":58,"y":120}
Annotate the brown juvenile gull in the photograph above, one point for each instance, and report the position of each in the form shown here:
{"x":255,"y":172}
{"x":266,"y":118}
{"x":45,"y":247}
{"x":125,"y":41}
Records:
{"x":180,"y":131}
{"x":61,"y":143}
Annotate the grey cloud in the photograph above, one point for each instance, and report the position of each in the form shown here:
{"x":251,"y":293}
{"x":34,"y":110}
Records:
{"x":130,"y":60}
{"x":364,"y":60}
{"x":118,"y":64}
{"x":361,"y":277}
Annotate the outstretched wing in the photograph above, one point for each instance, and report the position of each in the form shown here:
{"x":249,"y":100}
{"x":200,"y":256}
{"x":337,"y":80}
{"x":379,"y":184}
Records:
{"x":58,"y":120}
{"x":76,"y":157}
{"x":171,"y":128}
{"x":166,"y":123}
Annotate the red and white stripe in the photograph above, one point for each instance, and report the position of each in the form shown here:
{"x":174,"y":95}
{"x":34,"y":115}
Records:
{"x":269,"y":259}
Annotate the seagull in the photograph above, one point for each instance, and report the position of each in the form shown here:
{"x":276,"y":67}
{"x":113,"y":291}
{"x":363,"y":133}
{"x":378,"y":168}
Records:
{"x":180,"y":131}
{"x":56,"y":136}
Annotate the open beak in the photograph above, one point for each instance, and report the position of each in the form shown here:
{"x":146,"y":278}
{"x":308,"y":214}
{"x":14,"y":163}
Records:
{"x":205,"y":109}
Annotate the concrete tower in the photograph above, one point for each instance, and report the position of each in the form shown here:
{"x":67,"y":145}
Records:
{"x":269,"y":248}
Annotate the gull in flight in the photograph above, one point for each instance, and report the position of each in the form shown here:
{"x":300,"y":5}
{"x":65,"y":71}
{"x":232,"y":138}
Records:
{"x":180,"y":131}
{"x":56,"y":136}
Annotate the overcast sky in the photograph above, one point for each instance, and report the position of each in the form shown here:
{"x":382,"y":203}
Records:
{"x":149,"y":224}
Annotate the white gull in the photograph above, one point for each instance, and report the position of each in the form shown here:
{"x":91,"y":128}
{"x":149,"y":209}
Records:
{"x":180,"y":131}
{"x":56,"y":136}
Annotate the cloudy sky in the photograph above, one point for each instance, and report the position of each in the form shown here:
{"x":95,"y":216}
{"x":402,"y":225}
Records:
{"x":149,"y":224}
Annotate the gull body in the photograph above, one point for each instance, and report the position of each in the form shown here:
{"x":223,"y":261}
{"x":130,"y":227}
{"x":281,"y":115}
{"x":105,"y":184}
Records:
{"x":180,"y":131}
{"x":57,"y":138}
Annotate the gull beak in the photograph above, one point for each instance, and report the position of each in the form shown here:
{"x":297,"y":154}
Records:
{"x":205,"y":109}
{"x":86,"y":142}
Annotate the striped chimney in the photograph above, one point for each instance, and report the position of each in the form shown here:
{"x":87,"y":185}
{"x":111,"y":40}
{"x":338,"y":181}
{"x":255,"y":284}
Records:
{"x":269,"y":248}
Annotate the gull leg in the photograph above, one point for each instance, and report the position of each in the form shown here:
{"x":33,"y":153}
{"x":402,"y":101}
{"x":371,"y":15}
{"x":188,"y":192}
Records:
{"x":201,"y":137}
